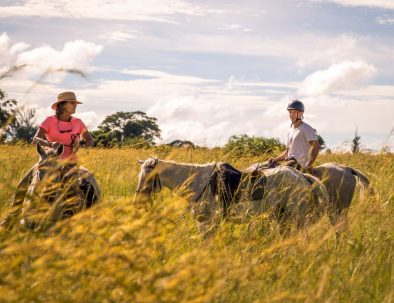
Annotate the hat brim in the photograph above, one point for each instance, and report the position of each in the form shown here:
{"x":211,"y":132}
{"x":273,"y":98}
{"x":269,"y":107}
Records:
{"x":54,"y":105}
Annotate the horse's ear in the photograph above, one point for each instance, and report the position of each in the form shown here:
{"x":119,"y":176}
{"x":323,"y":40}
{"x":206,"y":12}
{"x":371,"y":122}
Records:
{"x":140,"y":161}
{"x":59,"y":150}
{"x":41,"y":151}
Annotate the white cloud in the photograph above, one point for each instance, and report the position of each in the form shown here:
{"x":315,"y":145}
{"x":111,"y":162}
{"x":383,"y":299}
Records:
{"x":9,"y":53}
{"x":384,"y":4}
{"x":303,"y":51}
{"x":329,"y":49}
{"x":167,"y":77}
{"x":235,"y":27}
{"x":385,"y":20}
{"x":75,"y":55}
{"x":153,"y":10}
{"x":208,"y":112}
{"x":118,"y":35}
{"x":337,"y":77}
{"x":208,"y":120}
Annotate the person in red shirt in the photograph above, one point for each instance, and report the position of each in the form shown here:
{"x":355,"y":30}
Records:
{"x":63,"y":128}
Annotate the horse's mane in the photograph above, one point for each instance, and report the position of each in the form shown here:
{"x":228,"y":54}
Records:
{"x":151,"y":162}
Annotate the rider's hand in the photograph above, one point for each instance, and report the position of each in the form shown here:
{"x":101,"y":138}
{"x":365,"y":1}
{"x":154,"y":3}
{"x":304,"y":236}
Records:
{"x":309,"y":169}
{"x":53,"y":145}
{"x":272,"y":160}
{"x":76,"y":146}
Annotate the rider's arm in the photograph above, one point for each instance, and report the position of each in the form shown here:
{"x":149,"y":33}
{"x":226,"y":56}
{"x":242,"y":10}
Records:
{"x":39,"y":137}
{"x":313,"y":152}
{"x":281,"y":157}
{"x":88,"y":139}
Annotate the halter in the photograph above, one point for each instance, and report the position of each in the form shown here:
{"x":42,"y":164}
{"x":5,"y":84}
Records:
{"x":156,"y":184}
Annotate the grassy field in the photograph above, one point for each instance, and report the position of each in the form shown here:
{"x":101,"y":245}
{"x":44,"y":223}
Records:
{"x":116,"y":252}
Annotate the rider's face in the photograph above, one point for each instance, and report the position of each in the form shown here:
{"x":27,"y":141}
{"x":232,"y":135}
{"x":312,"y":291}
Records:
{"x":294,"y":115}
{"x":70,"y":107}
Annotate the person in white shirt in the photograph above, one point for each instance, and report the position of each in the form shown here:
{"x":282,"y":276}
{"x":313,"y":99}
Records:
{"x":302,"y":145}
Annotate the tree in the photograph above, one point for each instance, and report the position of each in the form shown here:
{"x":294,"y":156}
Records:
{"x":181,"y":143}
{"x":123,"y":126}
{"x":355,"y":147}
{"x":243,"y":144}
{"x":15,"y":123}
{"x":7,"y":114}
{"x":321,"y":141}
{"x":24,"y":126}
{"x":105,"y":139}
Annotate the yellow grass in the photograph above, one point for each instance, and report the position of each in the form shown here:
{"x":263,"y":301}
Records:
{"x":117,"y":252}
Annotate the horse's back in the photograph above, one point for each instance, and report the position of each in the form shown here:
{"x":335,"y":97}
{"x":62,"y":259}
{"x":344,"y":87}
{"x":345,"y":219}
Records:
{"x":340,"y":182}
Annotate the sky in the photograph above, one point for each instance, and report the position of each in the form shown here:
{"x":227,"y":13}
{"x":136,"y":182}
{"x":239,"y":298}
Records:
{"x":208,"y":70}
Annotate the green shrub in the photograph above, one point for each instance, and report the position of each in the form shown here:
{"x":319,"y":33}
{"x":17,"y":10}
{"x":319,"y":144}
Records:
{"x":253,"y":146}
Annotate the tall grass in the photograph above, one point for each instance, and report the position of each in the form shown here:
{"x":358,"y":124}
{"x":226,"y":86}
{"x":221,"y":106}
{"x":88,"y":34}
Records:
{"x":120,"y":252}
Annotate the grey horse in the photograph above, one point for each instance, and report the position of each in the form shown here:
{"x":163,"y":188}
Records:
{"x":340,"y":182}
{"x":51,"y":190}
{"x":286,"y":193}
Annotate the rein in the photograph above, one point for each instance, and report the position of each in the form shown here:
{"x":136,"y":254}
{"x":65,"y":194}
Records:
{"x":211,"y":181}
{"x":73,"y":139}
{"x":156,"y":183}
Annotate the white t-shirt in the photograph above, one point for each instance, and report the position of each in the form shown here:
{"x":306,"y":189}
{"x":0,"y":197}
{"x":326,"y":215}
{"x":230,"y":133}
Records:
{"x":298,"y":145}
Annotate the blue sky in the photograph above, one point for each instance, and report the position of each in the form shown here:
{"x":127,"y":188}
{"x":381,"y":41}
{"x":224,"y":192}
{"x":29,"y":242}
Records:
{"x":210,"y":69}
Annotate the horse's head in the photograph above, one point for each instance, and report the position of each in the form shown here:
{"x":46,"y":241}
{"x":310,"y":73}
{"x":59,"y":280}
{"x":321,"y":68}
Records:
{"x":52,"y":174}
{"x":148,"y":178}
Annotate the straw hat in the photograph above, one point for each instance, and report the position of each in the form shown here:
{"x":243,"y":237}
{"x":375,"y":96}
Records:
{"x":65,"y":96}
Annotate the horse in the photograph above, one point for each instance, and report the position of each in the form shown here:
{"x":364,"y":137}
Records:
{"x":51,"y":190}
{"x":195,"y":180}
{"x":286,"y":191}
{"x":340,"y":182}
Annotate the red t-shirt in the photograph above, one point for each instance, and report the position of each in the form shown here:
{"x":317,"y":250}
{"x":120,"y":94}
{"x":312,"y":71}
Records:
{"x":67,"y":133}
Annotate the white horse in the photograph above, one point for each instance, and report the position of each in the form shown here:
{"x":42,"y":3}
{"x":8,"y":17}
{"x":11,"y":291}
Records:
{"x":193,"y":179}
{"x":340,"y":182}
{"x":289,"y":196}
{"x":287,"y":193}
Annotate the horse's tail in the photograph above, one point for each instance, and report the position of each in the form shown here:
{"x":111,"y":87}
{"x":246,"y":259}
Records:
{"x":362,"y":179}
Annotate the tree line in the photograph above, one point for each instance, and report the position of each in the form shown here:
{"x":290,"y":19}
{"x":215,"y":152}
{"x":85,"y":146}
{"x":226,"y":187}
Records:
{"x":135,"y":129}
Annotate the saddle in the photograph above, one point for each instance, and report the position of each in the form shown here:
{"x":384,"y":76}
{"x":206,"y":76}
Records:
{"x":255,"y":181}
{"x":230,"y":184}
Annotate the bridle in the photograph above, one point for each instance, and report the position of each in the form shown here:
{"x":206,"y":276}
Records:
{"x":156,"y":183}
{"x":73,"y":139}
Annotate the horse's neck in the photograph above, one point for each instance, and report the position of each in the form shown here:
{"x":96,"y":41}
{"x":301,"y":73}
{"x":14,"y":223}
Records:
{"x":175,"y":175}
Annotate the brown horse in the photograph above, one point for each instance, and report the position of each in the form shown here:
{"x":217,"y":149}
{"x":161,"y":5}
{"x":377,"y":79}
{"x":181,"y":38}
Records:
{"x":51,"y":190}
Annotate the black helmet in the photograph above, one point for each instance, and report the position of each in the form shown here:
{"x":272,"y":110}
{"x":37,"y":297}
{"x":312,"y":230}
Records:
{"x":296,"y":104}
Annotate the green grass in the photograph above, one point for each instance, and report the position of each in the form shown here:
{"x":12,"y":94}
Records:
{"x":117,"y":252}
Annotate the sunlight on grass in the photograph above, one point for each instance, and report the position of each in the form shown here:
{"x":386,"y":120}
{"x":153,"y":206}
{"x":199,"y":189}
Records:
{"x":121,"y":252}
